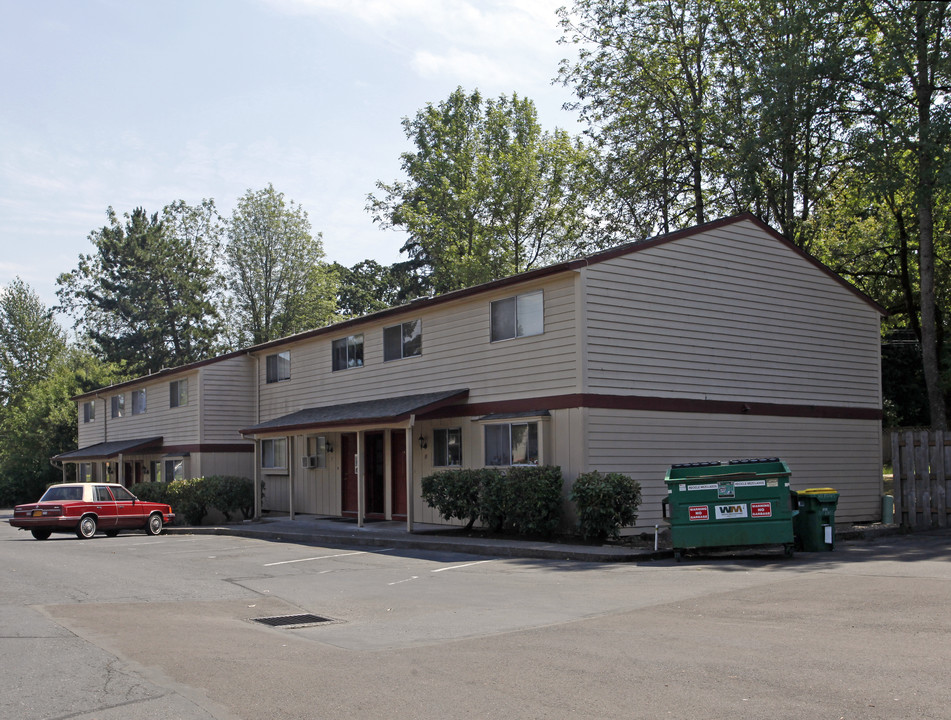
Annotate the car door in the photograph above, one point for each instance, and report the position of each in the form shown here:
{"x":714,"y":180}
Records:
{"x":128,"y":512}
{"x":105,"y":507}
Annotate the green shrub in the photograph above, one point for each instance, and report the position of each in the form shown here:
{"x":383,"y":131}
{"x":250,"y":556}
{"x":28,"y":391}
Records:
{"x":229,"y":494}
{"x":455,"y":493}
{"x":606,"y":503}
{"x":189,"y":499}
{"x":525,"y":500}
{"x":151,"y":492}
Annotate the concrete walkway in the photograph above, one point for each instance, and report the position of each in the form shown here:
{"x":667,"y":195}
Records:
{"x":321,"y":530}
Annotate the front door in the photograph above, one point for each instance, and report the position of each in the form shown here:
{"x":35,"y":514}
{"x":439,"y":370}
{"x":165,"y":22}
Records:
{"x":348,"y":490}
{"x":398,"y":473}
{"x":374,"y":474}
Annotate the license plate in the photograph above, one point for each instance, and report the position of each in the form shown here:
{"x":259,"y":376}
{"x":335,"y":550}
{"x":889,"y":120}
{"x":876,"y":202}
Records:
{"x":37,"y":513}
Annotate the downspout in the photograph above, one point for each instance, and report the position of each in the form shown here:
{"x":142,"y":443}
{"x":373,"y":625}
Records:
{"x":256,"y":458}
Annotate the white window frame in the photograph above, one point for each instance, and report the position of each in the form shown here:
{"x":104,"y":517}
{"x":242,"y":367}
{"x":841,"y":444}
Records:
{"x":410,"y":340}
{"x":350,"y":342}
{"x":277,"y":367}
{"x":178,"y":397}
{"x":315,"y":451}
{"x":140,"y":407}
{"x":89,"y":411}
{"x":529,"y":424}
{"x":512,"y":305}
{"x":445,"y":461}
{"x":276,"y":454}
{"x":174,"y":469}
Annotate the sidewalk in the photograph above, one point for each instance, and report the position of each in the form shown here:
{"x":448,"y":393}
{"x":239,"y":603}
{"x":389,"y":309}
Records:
{"x":311,"y":529}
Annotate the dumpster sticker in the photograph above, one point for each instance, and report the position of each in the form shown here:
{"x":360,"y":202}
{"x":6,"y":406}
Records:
{"x":750,"y":483}
{"x":699,"y":512}
{"x":761,"y":509}
{"x":772,"y":482}
{"x":725,"y":489}
{"x":706,"y":486}
{"x":727,"y":512}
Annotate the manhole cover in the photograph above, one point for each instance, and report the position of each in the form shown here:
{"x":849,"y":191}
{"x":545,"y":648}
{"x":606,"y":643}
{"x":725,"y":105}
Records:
{"x":291,"y":621}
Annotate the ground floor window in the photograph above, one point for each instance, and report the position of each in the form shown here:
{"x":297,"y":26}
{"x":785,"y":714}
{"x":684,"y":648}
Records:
{"x":174,"y":470}
{"x":315,"y":452}
{"x":86,"y":472}
{"x":447,"y":447}
{"x":274,"y":454}
{"x":511,"y":444}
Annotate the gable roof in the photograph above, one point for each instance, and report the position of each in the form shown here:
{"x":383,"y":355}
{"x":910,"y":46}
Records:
{"x":539,"y":273}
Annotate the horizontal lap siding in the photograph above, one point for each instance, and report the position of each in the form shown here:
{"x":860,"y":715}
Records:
{"x":730,"y":314}
{"x":228,"y":399}
{"x":843,"y":454}
{"x":176,"y":425}
{"x":456,"y":354}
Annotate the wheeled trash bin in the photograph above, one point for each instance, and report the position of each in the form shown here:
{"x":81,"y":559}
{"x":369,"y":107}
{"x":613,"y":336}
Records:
{"x":729,"y":504}
{"x":814,"y":524}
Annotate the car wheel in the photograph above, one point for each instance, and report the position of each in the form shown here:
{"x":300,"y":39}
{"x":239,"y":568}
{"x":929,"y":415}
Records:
{"x":111,"y":533}
{"x":86,"y":528}
{"x":155,"y":524}
{"x":41,"y":533}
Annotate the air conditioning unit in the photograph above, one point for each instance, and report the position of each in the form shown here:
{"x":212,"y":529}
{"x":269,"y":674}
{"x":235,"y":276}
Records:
{"x":308,"y":461}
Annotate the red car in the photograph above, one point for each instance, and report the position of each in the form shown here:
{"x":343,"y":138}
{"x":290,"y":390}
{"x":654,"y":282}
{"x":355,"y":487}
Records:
{"x":84,"y":508}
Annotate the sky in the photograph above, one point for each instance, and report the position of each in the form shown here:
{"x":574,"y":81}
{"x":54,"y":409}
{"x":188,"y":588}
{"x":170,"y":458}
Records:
{"x":138,"y":103}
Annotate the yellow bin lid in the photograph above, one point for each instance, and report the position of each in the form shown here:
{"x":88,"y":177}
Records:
{"x":818,"y":491}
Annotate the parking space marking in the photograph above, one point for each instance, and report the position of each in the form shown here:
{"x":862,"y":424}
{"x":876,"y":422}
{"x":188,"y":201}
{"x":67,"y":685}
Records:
{"x":326,"y":557}
{"x":457,"y":567}
{"x":409,"y":579}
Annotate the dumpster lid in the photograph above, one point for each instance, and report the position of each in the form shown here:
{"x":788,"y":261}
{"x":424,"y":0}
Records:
{"x":818,"y":491}
{"x":729,"y":470}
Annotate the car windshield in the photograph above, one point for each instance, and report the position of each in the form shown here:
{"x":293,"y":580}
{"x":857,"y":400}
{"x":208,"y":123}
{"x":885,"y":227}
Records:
{"x":63,"y":493}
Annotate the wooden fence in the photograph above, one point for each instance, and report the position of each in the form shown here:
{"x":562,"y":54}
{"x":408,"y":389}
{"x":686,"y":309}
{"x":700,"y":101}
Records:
{"x":921,"y":463}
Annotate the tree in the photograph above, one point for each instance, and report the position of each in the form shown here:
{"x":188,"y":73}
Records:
{"x":905,"y":131}
{"x":43,"y":424}
{"x":30,"y":342}
{"x":146,"y":296}
{"x":277,"y":281}
{"x":646,"y":86}
{"x":487,"y":193}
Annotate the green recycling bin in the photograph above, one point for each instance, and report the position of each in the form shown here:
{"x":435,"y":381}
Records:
{"x":729,"y":504}
{"x":815,"y":522}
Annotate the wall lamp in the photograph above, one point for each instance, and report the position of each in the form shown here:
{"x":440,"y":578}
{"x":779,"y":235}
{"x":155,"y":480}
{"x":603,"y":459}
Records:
{"x":422,"y":442}
{"x":329,"y":447}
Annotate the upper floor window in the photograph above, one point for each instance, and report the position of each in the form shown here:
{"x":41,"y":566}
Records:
{"x":403,"y":341}
{"x":518,"y":316}
{"x":138,"y":402}
{"x":178,"y":393}
{"x":447,"y":447}
{"x":278,"y":367}
{"x":89,"y":411}
{"x":118,"y":405}
{"x":274,"y":453}
{"x":348,"y":352}
{"x":511,"y":444}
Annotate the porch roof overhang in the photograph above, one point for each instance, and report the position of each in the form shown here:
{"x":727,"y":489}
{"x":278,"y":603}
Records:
{"x":388,"y":411}
{"x":109,"y":450}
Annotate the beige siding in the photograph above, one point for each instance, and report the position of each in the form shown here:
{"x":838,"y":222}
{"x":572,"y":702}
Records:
{"x":843,"y":454}
{"x":456,"y":353}
{"x":93,"y":432}
{"x":176,"y":425}
{"x":317,"y":491}
{"x":729,"y":314}
{"x":227,"y":399}
{"x":223,"y":463}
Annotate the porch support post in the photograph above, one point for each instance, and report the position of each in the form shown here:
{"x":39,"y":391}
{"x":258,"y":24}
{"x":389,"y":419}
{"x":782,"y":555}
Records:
{"x":361,"y":490}
{"x":410,"y":500}
{"x":257,"y":480}
{"x":120,"y":471}
{"x":290,"y":474}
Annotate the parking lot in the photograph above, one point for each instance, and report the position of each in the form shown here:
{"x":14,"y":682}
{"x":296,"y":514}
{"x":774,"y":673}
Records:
{"x":139,"y":627}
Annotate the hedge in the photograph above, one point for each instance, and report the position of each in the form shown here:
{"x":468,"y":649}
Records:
{"x":606,"y":503}
{"x":192,"y":498}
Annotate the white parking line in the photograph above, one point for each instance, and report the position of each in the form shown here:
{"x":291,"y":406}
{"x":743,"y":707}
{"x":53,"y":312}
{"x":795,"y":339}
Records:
{"x":325,"y":557}
{"x":456,"y":567}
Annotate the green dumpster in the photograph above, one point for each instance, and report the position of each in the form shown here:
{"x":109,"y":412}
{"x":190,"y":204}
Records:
{"x":729,"y":504}
{"x":815,"y":521}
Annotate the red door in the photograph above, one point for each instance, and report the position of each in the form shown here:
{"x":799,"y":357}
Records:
{"x":398,"y":473}
{"x":348,"y":471}
{"x":374,"y":474}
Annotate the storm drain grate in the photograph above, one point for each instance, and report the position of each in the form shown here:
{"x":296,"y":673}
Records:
{"x":291,"y":621}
